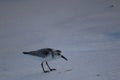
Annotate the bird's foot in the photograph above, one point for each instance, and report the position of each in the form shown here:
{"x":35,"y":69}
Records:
{"x":46,"y":71}
{"x":52,"y":69}
{"x":49,"y":71}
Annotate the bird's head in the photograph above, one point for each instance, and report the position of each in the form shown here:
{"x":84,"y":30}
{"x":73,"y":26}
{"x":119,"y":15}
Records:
{"x":59,"y":55}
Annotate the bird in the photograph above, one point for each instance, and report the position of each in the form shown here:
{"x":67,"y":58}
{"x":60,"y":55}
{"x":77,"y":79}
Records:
{"x":47,"y":54}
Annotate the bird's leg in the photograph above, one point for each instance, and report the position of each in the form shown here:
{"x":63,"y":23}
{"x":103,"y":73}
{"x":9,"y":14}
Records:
{"x":43,"y":68}
{"x":49,"y":67}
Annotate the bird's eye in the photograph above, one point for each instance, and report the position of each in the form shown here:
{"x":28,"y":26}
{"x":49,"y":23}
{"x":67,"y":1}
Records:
{"x":58,"y":54}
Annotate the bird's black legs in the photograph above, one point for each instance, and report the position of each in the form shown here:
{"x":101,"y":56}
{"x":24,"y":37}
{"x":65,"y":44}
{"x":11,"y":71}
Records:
{"x":45,"y":71}
{"x":43,"y":68}
{"x":49,"y":67}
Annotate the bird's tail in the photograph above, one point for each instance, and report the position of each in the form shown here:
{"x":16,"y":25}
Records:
{"x":25,"y":53}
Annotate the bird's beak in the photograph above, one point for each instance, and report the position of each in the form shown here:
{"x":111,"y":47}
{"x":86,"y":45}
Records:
{"x":64,"y":58}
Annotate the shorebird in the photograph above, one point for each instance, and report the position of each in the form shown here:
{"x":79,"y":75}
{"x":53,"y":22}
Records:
{"x":47,"y":54}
